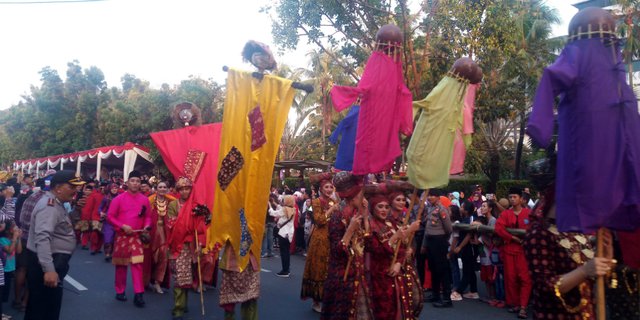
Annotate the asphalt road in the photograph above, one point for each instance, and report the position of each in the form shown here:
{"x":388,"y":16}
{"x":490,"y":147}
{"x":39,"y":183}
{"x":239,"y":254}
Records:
{"x":279,"y":297}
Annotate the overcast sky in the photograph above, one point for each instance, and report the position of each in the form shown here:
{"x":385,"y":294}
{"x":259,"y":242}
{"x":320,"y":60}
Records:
{"x":161,"y":41}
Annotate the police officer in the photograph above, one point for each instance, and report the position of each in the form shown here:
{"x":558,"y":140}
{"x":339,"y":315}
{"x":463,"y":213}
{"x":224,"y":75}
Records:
{"x":49,"y":247}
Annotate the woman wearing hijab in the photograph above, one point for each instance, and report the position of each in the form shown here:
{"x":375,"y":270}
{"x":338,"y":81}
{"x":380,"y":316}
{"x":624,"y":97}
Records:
{"x":286,"y":230}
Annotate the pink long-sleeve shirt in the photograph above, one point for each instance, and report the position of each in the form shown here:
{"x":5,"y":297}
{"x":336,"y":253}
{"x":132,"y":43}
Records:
{"x":132,"y":209}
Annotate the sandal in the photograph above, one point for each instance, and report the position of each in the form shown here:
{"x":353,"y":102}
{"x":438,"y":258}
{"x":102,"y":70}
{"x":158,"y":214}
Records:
{"x":523,"y":313}
{"x":514,"y":310}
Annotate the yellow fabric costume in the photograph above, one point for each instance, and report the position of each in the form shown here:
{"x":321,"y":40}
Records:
{"x":431,"y":147}
{"x":255,"y":114}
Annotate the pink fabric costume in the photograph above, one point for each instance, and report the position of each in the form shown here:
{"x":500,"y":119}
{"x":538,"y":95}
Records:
{"x":132,"y":210}
{"x":386,"y":109}
{"x":463,"y":138}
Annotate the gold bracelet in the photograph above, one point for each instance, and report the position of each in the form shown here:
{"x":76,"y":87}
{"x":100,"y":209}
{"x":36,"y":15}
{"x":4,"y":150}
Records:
{"x":583,"y":300}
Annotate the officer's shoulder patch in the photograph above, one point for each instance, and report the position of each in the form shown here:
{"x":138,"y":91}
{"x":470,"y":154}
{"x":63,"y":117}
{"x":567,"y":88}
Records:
{"x":51,"y":202}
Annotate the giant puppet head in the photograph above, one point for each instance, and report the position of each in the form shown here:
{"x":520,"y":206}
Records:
{"x":468,"y":70}
{"x":389,"y":40}
{"x":592,"y":23}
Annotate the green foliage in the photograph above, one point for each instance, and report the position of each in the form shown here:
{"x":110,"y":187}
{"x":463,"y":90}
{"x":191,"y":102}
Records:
{"x":294,"y":183}
{"x":465,"y":185}
{"x":81,"y":112}
{"x":502,"y":190}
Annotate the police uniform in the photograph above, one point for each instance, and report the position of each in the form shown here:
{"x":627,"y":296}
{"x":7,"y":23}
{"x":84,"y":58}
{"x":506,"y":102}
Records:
{"x":49,"y":247}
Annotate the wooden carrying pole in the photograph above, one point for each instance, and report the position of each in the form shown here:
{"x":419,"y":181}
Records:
{"x":412,"y":201}
{"x":419,"y":216}
{"x":199,"y":271}
{"x":600,"y":298}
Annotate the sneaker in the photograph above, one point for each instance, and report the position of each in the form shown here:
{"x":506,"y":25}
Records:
{"x":121,"y":297}
{"x":283,"y":274}
{"x":471,"y":295}
{"x":455,"y":296}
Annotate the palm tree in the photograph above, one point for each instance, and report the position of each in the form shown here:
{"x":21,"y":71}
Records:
{"x":535,"y":20}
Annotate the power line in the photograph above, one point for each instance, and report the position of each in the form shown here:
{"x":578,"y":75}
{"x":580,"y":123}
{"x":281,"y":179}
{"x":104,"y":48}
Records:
{"x":49,"y":2}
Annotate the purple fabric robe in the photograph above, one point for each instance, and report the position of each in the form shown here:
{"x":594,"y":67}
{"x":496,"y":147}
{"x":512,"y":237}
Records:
{"x":598,"y":170}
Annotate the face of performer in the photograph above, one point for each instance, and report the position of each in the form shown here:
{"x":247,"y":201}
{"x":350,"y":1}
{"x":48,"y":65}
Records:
{"x":327,"y":190}
{"x":162,"y":189}
{"x":144,"y":187}
{"x":381,"y":210}
{"x":184,"y":192}
{"x":133,"y":184}
{"x":399,"y":203}
{"x":114,"y":190}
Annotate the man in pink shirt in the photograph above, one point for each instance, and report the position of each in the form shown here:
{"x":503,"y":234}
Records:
{"x":130,"y":215}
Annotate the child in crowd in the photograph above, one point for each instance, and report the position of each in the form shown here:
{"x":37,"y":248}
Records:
{"x":453,"y":257}
{"x":10,"y":240}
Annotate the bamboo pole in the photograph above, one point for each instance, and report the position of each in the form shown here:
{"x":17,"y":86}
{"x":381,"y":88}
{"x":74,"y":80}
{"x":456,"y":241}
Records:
{"x":199,"y":271}
{"x":412,"y":201}
{"x":600,"y":297}
{"x":419,"y":216}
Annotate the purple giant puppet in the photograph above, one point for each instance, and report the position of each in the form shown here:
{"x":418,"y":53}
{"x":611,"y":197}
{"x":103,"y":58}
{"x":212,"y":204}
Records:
{"x":598,"y":169}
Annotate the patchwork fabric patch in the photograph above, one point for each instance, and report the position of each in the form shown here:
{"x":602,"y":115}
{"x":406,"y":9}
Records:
{"x":245,"y":237}
{"x":231,"y":165}
{"x":257,"y":129}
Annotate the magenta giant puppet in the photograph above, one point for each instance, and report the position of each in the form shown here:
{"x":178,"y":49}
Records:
{"x":385,"y":108}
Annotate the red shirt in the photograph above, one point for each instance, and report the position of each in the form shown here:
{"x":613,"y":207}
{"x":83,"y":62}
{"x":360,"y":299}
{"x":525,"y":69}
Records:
{"x":508,"y":219}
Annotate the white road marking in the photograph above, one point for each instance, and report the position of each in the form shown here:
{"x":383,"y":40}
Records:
{"x":75,"y":283}
{"x":265,"y":270}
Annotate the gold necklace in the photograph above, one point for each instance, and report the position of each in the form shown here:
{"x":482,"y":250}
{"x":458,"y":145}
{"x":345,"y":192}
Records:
{"x":161,"y":206}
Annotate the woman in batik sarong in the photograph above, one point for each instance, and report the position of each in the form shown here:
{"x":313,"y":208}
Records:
{"x":315,"y":268}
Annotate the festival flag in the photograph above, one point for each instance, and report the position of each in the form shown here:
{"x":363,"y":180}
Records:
{"x":255,"y":114}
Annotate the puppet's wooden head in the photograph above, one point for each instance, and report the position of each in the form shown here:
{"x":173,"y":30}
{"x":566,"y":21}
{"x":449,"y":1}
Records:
{"x":467,"y":69}
{"x":592,"y":22}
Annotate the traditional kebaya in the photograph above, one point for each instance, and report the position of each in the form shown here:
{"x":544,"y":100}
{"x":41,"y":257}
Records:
{"x":346,"y":292}
{"x":392,"y":287}
{"x":159,"y":248}
{"x":316,"y":264}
